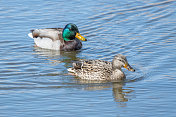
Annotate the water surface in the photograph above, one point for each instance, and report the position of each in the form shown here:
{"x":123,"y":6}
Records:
{"x":35,"y":82}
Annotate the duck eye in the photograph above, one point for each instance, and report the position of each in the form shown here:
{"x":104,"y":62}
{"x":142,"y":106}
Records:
{"x":121,"y":60}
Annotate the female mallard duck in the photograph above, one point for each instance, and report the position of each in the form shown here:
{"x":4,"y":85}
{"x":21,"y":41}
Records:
{"x":58,"y":38}
{"x":101,"y":70}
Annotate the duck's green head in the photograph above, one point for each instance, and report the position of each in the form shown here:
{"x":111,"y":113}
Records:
{"x":71,"y":32}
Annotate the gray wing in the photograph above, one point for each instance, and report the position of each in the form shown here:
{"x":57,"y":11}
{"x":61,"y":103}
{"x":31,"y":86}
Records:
{"x":52,"y":33}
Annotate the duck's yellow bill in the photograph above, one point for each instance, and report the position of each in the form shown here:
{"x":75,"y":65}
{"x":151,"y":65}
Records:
{"x":80,"y":37}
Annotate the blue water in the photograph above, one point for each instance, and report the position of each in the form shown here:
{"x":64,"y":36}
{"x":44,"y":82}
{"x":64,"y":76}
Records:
{"x":35,"y":82}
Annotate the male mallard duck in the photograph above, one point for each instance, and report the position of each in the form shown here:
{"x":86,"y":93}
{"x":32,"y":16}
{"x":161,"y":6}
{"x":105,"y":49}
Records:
{"x":101,"y":70}
{"x":65,"y":39}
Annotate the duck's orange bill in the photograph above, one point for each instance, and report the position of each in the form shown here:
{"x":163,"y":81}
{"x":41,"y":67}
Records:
{"x":128,"y":67}
{"x":125,"y":66}
{"x":80,"y":37}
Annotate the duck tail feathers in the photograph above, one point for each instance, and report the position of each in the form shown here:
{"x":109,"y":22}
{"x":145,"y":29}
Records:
{"x":31,"y":30}
{"x":30,"y":35}
{"x":71,"y":70}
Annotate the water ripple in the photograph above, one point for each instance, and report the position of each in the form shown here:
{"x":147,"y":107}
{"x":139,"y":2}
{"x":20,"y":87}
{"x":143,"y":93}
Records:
{"x":37,"y":79}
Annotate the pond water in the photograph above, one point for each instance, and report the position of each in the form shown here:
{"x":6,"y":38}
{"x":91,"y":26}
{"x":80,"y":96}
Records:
{"x":35,"y":82}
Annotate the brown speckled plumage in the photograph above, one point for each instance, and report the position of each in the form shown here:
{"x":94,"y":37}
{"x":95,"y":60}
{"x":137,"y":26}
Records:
{"x":101,"y":70}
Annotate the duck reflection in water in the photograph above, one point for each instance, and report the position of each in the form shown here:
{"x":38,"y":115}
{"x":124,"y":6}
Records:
{"x":120,"y":94}
{"x":56,"y":56}
{"x":54,"y":62}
